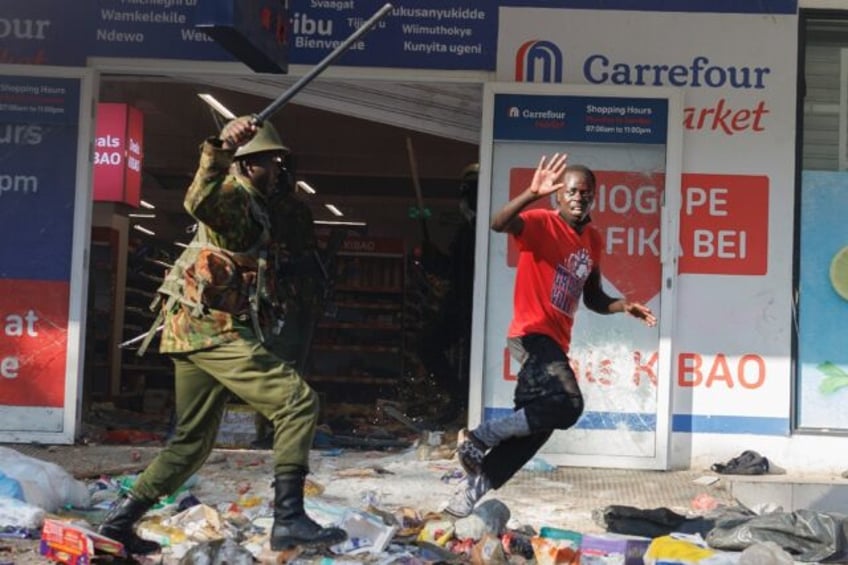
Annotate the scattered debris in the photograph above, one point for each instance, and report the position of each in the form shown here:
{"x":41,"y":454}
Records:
{"x":388,"y":500}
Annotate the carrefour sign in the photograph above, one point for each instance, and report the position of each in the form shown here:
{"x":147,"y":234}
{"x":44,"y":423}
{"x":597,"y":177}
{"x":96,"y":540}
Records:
{"x":699,"y":72}
{"x":542,"y":61}
{"x":580,"y":118}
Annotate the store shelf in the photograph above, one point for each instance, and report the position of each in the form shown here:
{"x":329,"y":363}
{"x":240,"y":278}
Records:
{"x":357,"y":351}
{"x":354,"y":326}
{"x":146,"y":266}
{"x":102,"y":279}
{"x":352,"y":379}
{"x":374,"y":289}
{"x":356,"y":348}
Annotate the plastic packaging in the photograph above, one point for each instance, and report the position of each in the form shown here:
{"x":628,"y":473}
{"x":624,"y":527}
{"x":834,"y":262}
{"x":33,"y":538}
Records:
{"x":489,"y":517}
{"x":217,"y":552}
{"x":10,"y":487}
{"x":538,"y":464}
{"x":44,"y":484}
{"x":765,"y":553}
{"x":365,"y":533}
{"x":685,"y":549}
{"x":488,"y":551}
{"x":14,"y":512}
{"x":550,"y":551}
{"x":613,"y":549}
{"x":516,"y":543}
{"x":439,"y":532}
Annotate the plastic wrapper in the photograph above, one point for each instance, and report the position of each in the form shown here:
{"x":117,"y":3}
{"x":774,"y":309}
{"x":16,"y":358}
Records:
{"x":44,"y":484}
{"x":14,"y":512}
{"x":685,"y":549}
{"x":805,"y":534}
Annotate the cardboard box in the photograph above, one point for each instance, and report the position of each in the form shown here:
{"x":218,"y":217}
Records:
{"x":612,"y":549}
{"x":238,"y":426}
{"x":72,"y":544}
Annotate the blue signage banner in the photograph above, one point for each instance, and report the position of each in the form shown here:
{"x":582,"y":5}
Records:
{"x":586,"y":119}
{"x":416,"y":34}
{"x":444,"y":34}
{"x":437,"y":34}
{"x":38,"y":121}
{"x":715,"y":6}
{"x":158,"y":29}
{"x":45,"y":32}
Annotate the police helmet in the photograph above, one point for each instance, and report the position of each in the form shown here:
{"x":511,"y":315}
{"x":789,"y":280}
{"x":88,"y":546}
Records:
{"x":266,"y":139}
{"x":470,"y":172}
{"x":468,"y":181}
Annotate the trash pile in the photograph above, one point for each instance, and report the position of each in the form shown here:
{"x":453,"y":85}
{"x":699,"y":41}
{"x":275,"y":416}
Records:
{"x":213,"y":521}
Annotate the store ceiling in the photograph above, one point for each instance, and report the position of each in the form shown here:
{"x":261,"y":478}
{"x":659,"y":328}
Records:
{"x":348,"y":137}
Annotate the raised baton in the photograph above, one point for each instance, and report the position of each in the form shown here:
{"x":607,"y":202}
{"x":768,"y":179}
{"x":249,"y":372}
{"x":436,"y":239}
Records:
{"x":274,"y":106}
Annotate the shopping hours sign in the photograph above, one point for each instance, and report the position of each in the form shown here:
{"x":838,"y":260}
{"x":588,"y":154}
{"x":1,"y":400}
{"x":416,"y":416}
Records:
{"x":622,"y":366}
{"x":44,"y":229}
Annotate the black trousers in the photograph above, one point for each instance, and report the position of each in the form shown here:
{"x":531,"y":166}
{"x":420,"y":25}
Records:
{"x":548,"y":392}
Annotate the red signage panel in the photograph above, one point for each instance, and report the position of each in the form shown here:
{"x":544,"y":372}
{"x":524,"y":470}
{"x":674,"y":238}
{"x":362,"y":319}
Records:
{"x":118,"y":151}
{"x":33,"y":347}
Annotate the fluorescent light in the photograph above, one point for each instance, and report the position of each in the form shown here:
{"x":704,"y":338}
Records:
{"x":143,"y":229}
{"x":136,"y":215}
{"x":302,"y":185}
{"x":339,"y":223}
{"x":334,"y":210}
{"x":217,"y":106}
{"x":148,"y":205}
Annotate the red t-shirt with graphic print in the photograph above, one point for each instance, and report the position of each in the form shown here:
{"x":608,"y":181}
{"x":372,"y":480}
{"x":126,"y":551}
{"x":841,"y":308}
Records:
{"x":554,"y":262}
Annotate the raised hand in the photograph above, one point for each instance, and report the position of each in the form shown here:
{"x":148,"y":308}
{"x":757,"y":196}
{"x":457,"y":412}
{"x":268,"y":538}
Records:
{"x":237,"y":132}
{"x":548,"y":176}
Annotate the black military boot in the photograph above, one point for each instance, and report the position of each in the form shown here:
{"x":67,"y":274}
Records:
{"x":120,"y":521}
{"x":292,"y":527}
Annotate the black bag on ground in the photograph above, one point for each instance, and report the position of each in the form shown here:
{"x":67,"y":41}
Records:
{"x":652,"y":523}
{"x":747,"y":463}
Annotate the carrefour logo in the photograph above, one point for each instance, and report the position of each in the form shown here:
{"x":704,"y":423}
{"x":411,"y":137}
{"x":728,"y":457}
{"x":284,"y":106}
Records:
{"x":538,"y":56}
{"x":514,"y":112}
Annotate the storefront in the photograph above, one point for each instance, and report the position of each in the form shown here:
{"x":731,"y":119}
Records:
{"x":697,"y":202}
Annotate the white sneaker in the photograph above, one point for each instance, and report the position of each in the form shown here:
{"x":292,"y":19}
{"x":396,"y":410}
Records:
{"x":466,"y":497}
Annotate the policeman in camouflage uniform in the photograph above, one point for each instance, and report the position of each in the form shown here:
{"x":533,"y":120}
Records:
{"x":297,"y":282}
{"x":220,"y":305}
{"x":299,"y":273}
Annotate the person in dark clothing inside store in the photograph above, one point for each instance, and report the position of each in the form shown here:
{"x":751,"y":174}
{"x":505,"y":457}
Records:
{"x":219,"y":309}
{"x":298,"y":281}
{"x":447,"y":340}
{"x":559,"y":260}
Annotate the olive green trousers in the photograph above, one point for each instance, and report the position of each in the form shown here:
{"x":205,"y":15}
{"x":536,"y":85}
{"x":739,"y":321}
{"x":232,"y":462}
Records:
{"x":203,"y":381}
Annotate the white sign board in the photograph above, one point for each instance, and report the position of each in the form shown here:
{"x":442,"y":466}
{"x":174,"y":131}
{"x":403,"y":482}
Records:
{"x":623,"y":135}
{"x":732,"y":331}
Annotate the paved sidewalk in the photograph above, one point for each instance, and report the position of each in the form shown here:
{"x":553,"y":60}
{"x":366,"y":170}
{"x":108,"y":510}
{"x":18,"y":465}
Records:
{"x":564,"y":497}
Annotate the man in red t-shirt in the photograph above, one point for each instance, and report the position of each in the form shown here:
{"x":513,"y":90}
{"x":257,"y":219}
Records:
{"x":559,"y":261}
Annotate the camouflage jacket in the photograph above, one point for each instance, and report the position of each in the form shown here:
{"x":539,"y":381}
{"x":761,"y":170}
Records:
{"x":233,"y":217}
